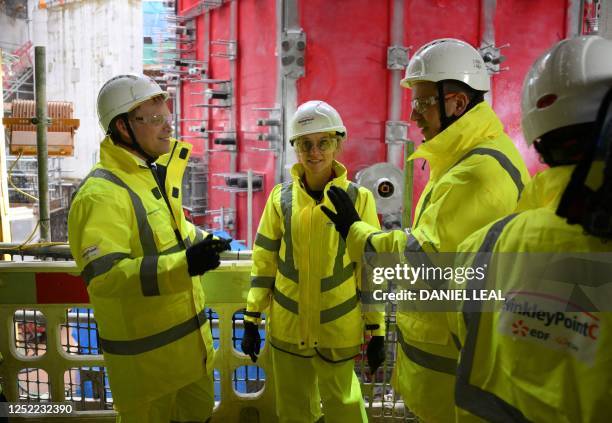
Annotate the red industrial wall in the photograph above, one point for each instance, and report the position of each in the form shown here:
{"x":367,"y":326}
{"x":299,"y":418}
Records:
{"x":258,"y":74}
{"x":255,"y":87}
{"x":530,"y":27}
{"x":346,"y":60}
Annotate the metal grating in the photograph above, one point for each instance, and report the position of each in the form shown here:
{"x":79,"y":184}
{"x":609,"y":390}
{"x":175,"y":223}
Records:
{"x":30,"y":332}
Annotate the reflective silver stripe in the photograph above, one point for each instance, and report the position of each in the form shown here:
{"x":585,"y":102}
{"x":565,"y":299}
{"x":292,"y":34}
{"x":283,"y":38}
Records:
{"x":414,"y":253}
{"x":503,"y":161}
{"x":266,"y":243}
{"x":148,"y":281}
{"x":483,"y":256}
{"x":171,"y":250}
{"x":285,"y":302}
{"x":287,"y":271}
{"x":352,"y":190}
{"x":262,"y":282}
{"x":423,"y":207}
{"x":413,"y":245}
{"x":148,"y":343}
{"x":340,"y":310}
{"x":340,"y":275}
{"x":144,"y":229}
{"x":187,"y":242}
{"x":148,"y":276}
{"x":101,"y":265}
{"x":426,"y":359}
{"x":286,"y":267}
{"x":199,"y":236}
{"x":501,"y":158}
{"x":469,"y":397}
{"x":369,"y":247}
{"x":340,"y":272}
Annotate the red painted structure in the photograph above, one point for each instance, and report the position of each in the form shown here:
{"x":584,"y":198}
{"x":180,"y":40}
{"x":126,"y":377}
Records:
{"x":346,"y":57}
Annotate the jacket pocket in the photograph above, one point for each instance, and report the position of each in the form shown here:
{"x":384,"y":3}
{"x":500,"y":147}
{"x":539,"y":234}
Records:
{"x":161,"y":226}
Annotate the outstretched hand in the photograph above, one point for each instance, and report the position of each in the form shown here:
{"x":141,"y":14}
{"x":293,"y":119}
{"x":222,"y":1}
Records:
{"x":345,"y":215}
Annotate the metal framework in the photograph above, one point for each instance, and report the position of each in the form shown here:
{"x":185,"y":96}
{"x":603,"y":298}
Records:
{"x":52,"y":353}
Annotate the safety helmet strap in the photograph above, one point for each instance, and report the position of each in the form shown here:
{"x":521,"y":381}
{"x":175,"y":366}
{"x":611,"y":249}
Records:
{"x":134,"y":145}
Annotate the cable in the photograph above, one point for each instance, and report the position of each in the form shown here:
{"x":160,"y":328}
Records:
{"x":24,"y":245}
{"x":11,"y":180}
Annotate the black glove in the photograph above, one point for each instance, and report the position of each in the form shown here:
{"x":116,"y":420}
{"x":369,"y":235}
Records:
{"x":251,"y":341}
{"x":204,"y":255}
{"x":376,"y":353}
{"x":345,"y":214}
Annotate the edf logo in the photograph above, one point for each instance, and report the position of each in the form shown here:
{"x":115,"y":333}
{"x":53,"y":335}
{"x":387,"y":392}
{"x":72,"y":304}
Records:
{"x":519,"y":328}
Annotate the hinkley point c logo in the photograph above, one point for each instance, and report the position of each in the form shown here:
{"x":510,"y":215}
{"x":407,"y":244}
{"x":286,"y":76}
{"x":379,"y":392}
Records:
{"x":519,"y":328}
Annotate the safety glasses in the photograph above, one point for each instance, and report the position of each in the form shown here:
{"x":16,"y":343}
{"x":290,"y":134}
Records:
{"x":305,"y":145}
{"x":154,"y":120}
{"x":420,"y":105}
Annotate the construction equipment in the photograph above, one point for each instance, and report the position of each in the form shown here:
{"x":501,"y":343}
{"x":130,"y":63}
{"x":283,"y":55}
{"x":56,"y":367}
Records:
{"x":21,"y":128}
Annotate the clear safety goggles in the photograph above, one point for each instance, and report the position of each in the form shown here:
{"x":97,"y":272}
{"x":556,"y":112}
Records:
{"x":305,"y":145}
{"x":420,"y":105}
{"x":154,"y":120}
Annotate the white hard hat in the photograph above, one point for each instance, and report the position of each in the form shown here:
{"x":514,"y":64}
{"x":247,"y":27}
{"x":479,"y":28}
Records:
{"x":124,"y":93}
{"x":315,"y":116}
{"x":447,"y":58}
{"x":566,"y":85}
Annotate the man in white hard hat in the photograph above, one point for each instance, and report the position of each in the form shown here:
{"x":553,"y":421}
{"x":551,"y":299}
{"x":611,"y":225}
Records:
{"x":555,"y":364}
{"x":303,"y":275}
{"x":142,"y":260}
{"x":476,"y":176}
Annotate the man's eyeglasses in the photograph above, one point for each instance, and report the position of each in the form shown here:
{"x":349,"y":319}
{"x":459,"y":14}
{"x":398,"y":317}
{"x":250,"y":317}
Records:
{"x":155,"y":120}
{"x":306,"y":145}
{"x":420,"y":105}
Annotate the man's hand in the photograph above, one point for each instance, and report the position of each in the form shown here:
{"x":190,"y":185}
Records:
{"x":204,"y":255}
{"x":376,"y":353}
{"x":251,"y":341}
{"x":345,"y":214}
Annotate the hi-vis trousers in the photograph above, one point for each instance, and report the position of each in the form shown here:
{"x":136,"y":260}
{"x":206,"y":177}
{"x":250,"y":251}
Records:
{"x":302,"y":383}
{"x":191,"y":403}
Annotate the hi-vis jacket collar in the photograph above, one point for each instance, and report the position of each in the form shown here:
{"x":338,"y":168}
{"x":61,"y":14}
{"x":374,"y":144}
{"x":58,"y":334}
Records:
{"x":297,"y":174}
{"x":545,"y":189}
{"x":114,"y":156}
{"x":443,"y":150}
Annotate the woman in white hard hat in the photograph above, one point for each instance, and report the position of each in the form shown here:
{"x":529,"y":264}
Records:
{"x":301,"y":270}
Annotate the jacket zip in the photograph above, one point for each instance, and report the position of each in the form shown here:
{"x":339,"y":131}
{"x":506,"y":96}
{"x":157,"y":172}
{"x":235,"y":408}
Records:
{"x":153,"y":169}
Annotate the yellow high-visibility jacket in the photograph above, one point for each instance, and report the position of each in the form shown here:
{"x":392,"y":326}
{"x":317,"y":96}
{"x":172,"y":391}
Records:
{"x":476,"y":176}
{"x":302,"y":272}
{"x":518,"y":365}
{"x":153,"y":327}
